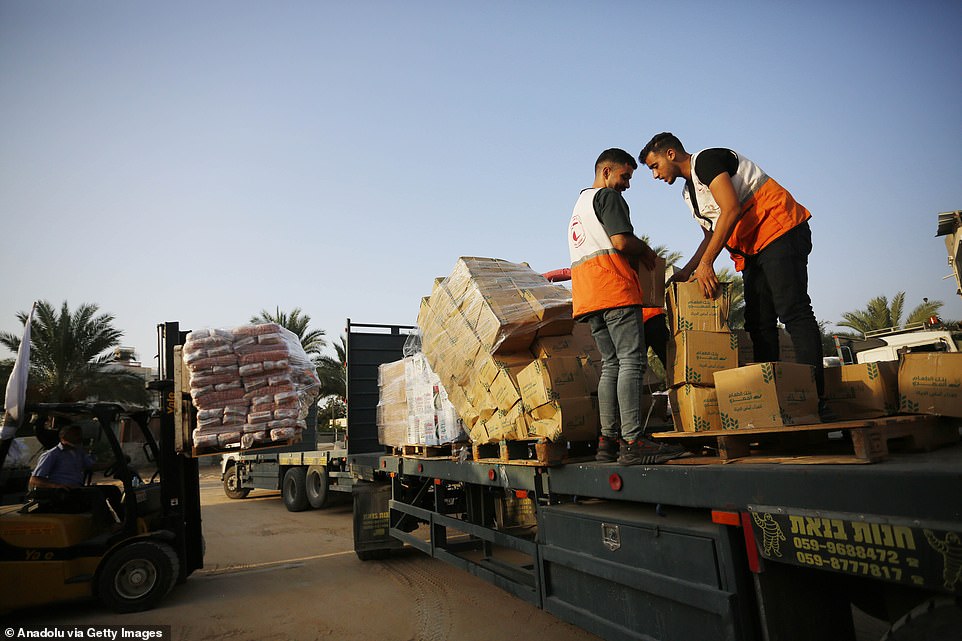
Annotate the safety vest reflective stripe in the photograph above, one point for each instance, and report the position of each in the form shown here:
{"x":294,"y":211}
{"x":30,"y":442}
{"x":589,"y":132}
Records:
{"x":768,"y":209}
{"x":601,"y":277}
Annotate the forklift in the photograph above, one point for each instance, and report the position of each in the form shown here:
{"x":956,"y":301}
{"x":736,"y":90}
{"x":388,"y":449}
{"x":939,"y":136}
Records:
{"x":125,"y":539}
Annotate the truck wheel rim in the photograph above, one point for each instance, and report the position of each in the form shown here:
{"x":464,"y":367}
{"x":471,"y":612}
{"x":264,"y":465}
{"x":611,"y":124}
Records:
{"x":135,"y":579}
{"x":232,"y":483}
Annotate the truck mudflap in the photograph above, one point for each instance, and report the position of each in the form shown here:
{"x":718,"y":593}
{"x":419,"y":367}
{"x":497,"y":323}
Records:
{"x":925,"y":555}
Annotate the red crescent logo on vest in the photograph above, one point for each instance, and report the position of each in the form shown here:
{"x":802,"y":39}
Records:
{"x":577,"y":232}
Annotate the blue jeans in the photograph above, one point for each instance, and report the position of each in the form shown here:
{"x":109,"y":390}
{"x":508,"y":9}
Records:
{"x":620,"y":336}
{"x":776,"y":288}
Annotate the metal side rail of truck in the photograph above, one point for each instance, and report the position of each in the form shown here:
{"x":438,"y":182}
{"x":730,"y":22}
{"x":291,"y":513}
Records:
{"x":739,"y":552}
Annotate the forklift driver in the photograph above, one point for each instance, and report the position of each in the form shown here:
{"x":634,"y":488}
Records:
{"x":65,"y":465}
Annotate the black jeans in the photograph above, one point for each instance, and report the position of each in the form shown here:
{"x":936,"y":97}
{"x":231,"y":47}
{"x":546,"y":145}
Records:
{"x":656,"y":337}
{"x":776,"y":288}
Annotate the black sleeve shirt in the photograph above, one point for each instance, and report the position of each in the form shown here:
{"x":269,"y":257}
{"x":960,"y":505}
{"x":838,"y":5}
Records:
{"x":712,"y":162}
{"x":612,"y":212}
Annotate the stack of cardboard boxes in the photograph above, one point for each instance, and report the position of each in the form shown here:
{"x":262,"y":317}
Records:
{"x":413,"y":406}
{"x":712,"y":387}
{"x":514,"y":364}
{"x":700,"y":346}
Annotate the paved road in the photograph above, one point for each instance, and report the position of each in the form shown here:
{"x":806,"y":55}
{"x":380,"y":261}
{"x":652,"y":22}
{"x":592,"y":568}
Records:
{"x":275,"y":575}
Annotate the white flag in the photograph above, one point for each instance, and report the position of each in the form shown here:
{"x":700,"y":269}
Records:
{"x":17,"y":384}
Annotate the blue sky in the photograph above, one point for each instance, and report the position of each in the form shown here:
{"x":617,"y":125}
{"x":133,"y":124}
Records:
{"x":201,"y":161}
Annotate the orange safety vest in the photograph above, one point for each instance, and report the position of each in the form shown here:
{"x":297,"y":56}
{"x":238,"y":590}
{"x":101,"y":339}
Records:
{"x":768,"y":210}
{"x":601,"y":277}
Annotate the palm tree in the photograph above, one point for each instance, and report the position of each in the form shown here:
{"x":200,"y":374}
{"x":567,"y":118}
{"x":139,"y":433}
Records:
{"x":68,"y":362}
{"x":333,"y":371}
{"x":671,"y":257}
{"x":312,"y":340}
{"x":297,"y":322}
{"x":736,"y":312}
{"x":879,"y":314}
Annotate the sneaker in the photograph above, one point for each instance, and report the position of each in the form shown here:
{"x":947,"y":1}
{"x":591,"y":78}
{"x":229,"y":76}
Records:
{"x":607,"y":449}
{"x":644,"y":451}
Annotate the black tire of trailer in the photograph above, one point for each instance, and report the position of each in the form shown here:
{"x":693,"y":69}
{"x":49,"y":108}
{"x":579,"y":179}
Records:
{"x":317,"y":486}
{"x":137,"y":576}
{"x":937,"y":619}
{"x":294,"y":489}
{"x":230,"y":484}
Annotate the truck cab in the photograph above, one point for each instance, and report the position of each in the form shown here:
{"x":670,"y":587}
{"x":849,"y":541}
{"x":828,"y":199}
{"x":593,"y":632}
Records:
{"x":888,"y":344}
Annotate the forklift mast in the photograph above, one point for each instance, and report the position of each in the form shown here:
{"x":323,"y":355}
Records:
{"x":180,"y":493}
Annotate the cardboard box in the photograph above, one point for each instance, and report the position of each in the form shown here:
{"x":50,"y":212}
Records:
{"x":688,"y":309}
{"x":573,"y":419}
{"x":746,"y":356}
{"x":931,"y":383}
{"x":864,"y":390}
{"x":549,"y":346}
{"x":504,"y":390}
{"x":695,"y":409}
{"x":767,"y":395}
{"x":505,"y":425}
{"x":550,"y":379}
{"x":392,"y":424}
{"x":652,"y":283}
{"x":581,"y":333}
{"x":696,"y":355}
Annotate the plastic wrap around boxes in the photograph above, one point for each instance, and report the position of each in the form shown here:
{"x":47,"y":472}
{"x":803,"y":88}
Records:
{"x":413,"y":406}
{"x":251,"y":385}
{"x":502,"y":340}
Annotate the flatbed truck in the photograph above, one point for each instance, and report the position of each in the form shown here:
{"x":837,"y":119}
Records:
{"x":309,"y":472}
{"x":763,"y":551}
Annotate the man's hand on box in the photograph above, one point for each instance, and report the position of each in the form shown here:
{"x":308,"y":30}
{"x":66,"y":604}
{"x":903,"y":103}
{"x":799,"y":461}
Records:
{"x":680,"y":276}
{"x":705,"y":275}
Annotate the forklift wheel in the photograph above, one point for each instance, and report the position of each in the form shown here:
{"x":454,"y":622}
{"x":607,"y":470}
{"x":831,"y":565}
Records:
{"x":230,"y":485}
{"x":294,"y":489}
{"x":137,"y":576}
{"x":317,"y":490}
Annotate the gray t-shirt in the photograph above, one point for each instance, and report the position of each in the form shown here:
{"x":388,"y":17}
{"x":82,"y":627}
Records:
{"x":612,"y":212}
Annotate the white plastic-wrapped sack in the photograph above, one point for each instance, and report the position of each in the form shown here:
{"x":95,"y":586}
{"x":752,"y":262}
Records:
{"x":251,"y":385}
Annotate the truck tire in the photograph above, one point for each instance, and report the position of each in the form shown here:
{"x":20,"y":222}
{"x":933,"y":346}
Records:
{"x":935,"y":620}
{"x":294,"y":489}
{"x":231,"y":483}
{"x":317,"y":486}
{"x":137,"y":576}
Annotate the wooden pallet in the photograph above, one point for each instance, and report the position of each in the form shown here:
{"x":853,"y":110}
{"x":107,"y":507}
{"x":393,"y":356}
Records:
{"x":446,"y":451}
{"x":540,"y":452}
{"x":844,"y":442}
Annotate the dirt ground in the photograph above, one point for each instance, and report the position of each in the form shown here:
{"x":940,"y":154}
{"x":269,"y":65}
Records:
{"x":275,"y":575}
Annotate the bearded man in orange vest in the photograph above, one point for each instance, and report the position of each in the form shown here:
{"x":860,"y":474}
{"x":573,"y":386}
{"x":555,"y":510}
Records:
{"x":606,"y":293}
{"x":742,"y":209}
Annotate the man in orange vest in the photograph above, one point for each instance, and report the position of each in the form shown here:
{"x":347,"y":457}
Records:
{"x":742,"y":209}
{"x":606,"y":293}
